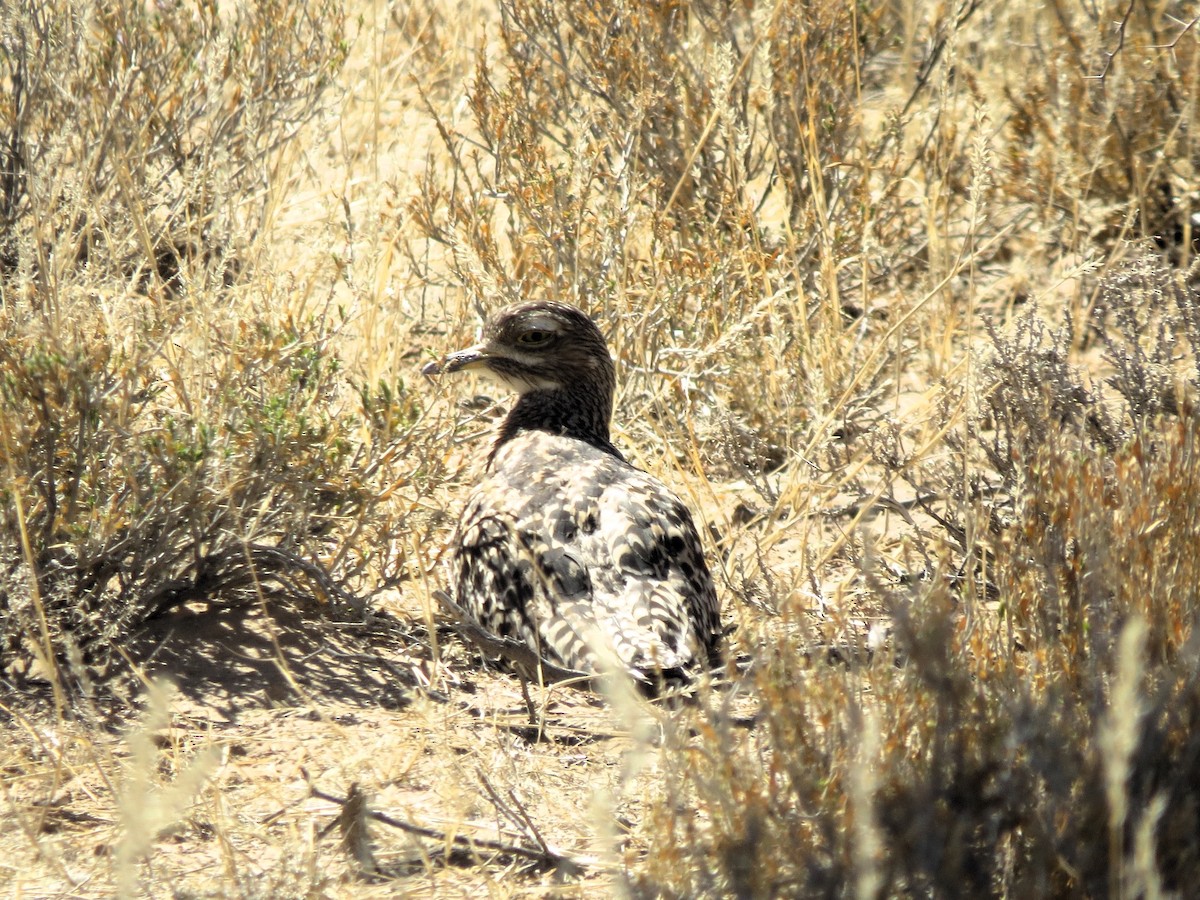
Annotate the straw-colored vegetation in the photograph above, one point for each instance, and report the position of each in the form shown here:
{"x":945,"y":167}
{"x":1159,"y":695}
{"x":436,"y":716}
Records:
{"x":904,"y":303}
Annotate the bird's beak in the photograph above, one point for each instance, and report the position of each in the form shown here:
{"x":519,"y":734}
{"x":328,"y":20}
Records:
{"x":471,"y":358}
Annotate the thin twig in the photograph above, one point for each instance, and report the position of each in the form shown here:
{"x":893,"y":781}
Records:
{"x":1187,"y":26}
{"x":545,"y":854}
{"x":1121,"y":26}
{"x":520,"y":817}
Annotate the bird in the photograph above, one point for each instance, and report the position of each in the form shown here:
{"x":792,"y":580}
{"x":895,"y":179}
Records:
{"x":564,"y":545}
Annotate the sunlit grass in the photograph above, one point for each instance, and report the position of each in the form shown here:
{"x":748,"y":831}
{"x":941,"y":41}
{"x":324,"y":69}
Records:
{"x":902,"y":301}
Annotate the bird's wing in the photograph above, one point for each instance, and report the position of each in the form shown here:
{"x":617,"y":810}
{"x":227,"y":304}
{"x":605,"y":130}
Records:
{"x":581,"y":555}
{"x":650,"y":580}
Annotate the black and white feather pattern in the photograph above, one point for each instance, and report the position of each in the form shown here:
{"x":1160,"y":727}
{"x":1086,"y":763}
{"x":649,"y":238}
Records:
{"x":576,"y":552}
{"x":564,"y":545}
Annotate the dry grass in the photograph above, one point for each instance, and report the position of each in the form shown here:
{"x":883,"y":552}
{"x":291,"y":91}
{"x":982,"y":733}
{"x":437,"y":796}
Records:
{"x":904,"y":302}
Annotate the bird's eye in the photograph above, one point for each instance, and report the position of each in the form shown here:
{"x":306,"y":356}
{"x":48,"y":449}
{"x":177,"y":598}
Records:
{"x":533,"y":337}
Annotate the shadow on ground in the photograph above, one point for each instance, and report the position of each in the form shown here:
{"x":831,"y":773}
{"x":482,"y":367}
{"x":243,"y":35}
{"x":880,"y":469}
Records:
{"x":226,"y":662}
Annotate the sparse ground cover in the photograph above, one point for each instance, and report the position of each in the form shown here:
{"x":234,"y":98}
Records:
{"x":904,"y":303}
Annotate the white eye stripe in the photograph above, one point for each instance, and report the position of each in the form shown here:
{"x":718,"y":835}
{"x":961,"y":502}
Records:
{"x":544,"y":323}
{"x":538,"y":331}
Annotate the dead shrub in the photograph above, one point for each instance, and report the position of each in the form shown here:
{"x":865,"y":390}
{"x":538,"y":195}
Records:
{"x":177,"y":115}
{"x":171,"y":435}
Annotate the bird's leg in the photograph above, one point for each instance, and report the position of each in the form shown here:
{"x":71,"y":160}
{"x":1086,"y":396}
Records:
{"x":534,"y":720}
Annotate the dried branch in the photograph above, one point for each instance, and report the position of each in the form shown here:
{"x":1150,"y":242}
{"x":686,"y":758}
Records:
{"x":1111,"y":55}
{"x":544,"y":854}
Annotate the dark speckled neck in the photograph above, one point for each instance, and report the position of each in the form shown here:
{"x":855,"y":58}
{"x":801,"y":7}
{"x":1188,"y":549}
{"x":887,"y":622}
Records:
{"x":581,"y":414}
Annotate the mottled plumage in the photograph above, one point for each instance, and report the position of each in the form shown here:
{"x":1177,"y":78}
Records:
{"x":565,"y":545}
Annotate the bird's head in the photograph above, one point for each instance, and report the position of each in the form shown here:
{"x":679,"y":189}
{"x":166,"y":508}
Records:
{"x":540,"y":346}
